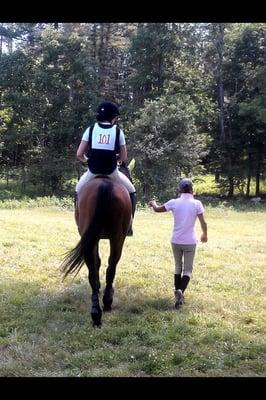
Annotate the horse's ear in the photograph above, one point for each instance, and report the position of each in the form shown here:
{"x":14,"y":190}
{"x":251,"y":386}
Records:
{"x":131,"y":165}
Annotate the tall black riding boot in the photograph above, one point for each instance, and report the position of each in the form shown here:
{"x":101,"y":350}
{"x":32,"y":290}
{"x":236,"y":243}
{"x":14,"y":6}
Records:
{"x":75,"y":199}
{"x":179,"y":298}
{"x":184,"y":282}
{"x":76,"y":212}
{"x":177,"y":281}
{"x":133,"y":198}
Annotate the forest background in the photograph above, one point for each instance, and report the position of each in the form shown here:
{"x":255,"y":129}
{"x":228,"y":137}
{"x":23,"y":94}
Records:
{"x":192,"y":98}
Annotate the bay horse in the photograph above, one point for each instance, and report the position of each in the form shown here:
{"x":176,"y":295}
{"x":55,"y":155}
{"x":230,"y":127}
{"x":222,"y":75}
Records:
{"x":104,"y":212}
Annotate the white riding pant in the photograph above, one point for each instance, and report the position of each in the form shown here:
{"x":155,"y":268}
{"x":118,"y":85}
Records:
{"x":116,"y":176}
{"x":184,"y":256}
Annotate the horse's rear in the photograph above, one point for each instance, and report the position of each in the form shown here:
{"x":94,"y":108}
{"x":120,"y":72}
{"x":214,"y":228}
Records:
{"x":104,"y":209}
{"x":113,"y":207}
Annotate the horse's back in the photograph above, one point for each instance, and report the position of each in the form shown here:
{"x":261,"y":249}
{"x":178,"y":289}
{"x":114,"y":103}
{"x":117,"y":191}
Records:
{"x":110,"y":200}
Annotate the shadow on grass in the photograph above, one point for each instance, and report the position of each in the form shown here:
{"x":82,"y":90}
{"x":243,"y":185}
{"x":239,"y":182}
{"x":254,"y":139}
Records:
{"x":51,"y":331}
{"x":28,"y":308}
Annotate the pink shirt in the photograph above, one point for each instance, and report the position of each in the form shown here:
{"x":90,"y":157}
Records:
{"x":185,"y":210}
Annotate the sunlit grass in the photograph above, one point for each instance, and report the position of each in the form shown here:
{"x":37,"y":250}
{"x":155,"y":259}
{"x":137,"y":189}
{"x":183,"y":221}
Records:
{"x":205,"y":184}
{"x":45,"y":326}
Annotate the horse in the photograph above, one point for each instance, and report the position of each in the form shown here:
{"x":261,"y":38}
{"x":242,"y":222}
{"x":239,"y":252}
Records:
{"x":104,"y":212}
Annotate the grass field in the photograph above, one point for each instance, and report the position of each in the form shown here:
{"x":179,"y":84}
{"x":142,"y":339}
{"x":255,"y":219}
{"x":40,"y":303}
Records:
{"x":45,"y":326}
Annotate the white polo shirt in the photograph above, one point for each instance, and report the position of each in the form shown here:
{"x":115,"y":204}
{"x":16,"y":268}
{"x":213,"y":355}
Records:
{"x":185,"y":210}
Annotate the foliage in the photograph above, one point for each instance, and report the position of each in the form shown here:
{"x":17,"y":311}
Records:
{"x":209,"y":77}
{"x":165,"y":141}
{"x":151,"y":55}
{"x":238,"y":151}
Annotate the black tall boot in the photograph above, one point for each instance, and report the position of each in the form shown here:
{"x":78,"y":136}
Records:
{"x":184,"y":282}
{"x":178,"y":293}
{"x":76,"y":211}
{"x":133,"y":198}
{"x":75,"y":199}
{"x":177,"y":281}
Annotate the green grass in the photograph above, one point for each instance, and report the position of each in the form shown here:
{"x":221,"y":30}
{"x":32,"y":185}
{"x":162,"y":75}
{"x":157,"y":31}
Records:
{"x":45,"y":326}
{"x":206,"y":185}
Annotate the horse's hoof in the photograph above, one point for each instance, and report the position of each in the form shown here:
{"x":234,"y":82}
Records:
{"x":107,"y":307}
{"x":108,"y":299}
{"x":97,"y":325}
{"x":96,"y":316}
{"x":96,"y":320}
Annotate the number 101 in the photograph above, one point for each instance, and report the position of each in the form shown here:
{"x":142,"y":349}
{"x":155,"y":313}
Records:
{"x":104,"y":139}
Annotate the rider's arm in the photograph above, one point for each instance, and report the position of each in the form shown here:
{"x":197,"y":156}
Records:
{"x":122,"y":153}
{"x":82,"y":150}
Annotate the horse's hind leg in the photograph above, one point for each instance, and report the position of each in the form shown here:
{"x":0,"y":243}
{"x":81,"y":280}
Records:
{"x":93,"y":264}
{"x":115,"y":254}
{"x":98,"y":264}
{"x":96,"y":311}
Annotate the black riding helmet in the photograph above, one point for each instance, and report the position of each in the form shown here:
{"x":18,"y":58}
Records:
{"x":107,"y":111}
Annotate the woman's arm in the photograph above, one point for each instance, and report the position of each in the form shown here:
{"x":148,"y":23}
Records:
{"x":203,"y":224}
{"x":155,"y":206}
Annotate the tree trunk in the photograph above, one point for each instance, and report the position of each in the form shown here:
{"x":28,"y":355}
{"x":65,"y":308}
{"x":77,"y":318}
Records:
{"x":220,"y":50}
{"x":248,"y":185}
{"x":217,"y":177}
{"x":15,"y":156}
{"x":231,"y":186}
{"x":23,"y":183}
{"x":221,"y":106}
{"x":103,"y":53}
{"x":101,"y":68}
{"x":219,"y":34}
{"x":160,"y":74}
{"x":248,"y":175}
{"x":258,"y":171}
{"x":10,"y":45}
{"x":230,"y":175}
{"x":94,"y":41}
{"x":257,"y":190}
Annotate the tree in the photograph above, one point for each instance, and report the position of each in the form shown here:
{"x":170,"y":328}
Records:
{"x":245,"y":88}
{"x":234,"y":54}
{"x":152,"y":50}
{"x":49,"y":85}
{"x":166,"y":144}
{"x":202,"y":84}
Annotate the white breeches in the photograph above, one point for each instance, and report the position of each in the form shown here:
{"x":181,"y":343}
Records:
{"x":116,"y":176}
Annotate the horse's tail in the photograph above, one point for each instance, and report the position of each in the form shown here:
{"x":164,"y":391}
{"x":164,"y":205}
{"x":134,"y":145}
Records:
{"x":76,"y":257}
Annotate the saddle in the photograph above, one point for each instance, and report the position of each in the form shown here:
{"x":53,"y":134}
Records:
{"x":122,"y":168}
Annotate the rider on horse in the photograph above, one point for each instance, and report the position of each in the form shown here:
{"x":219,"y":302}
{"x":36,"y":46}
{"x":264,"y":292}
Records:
{"x":103,"y":147}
